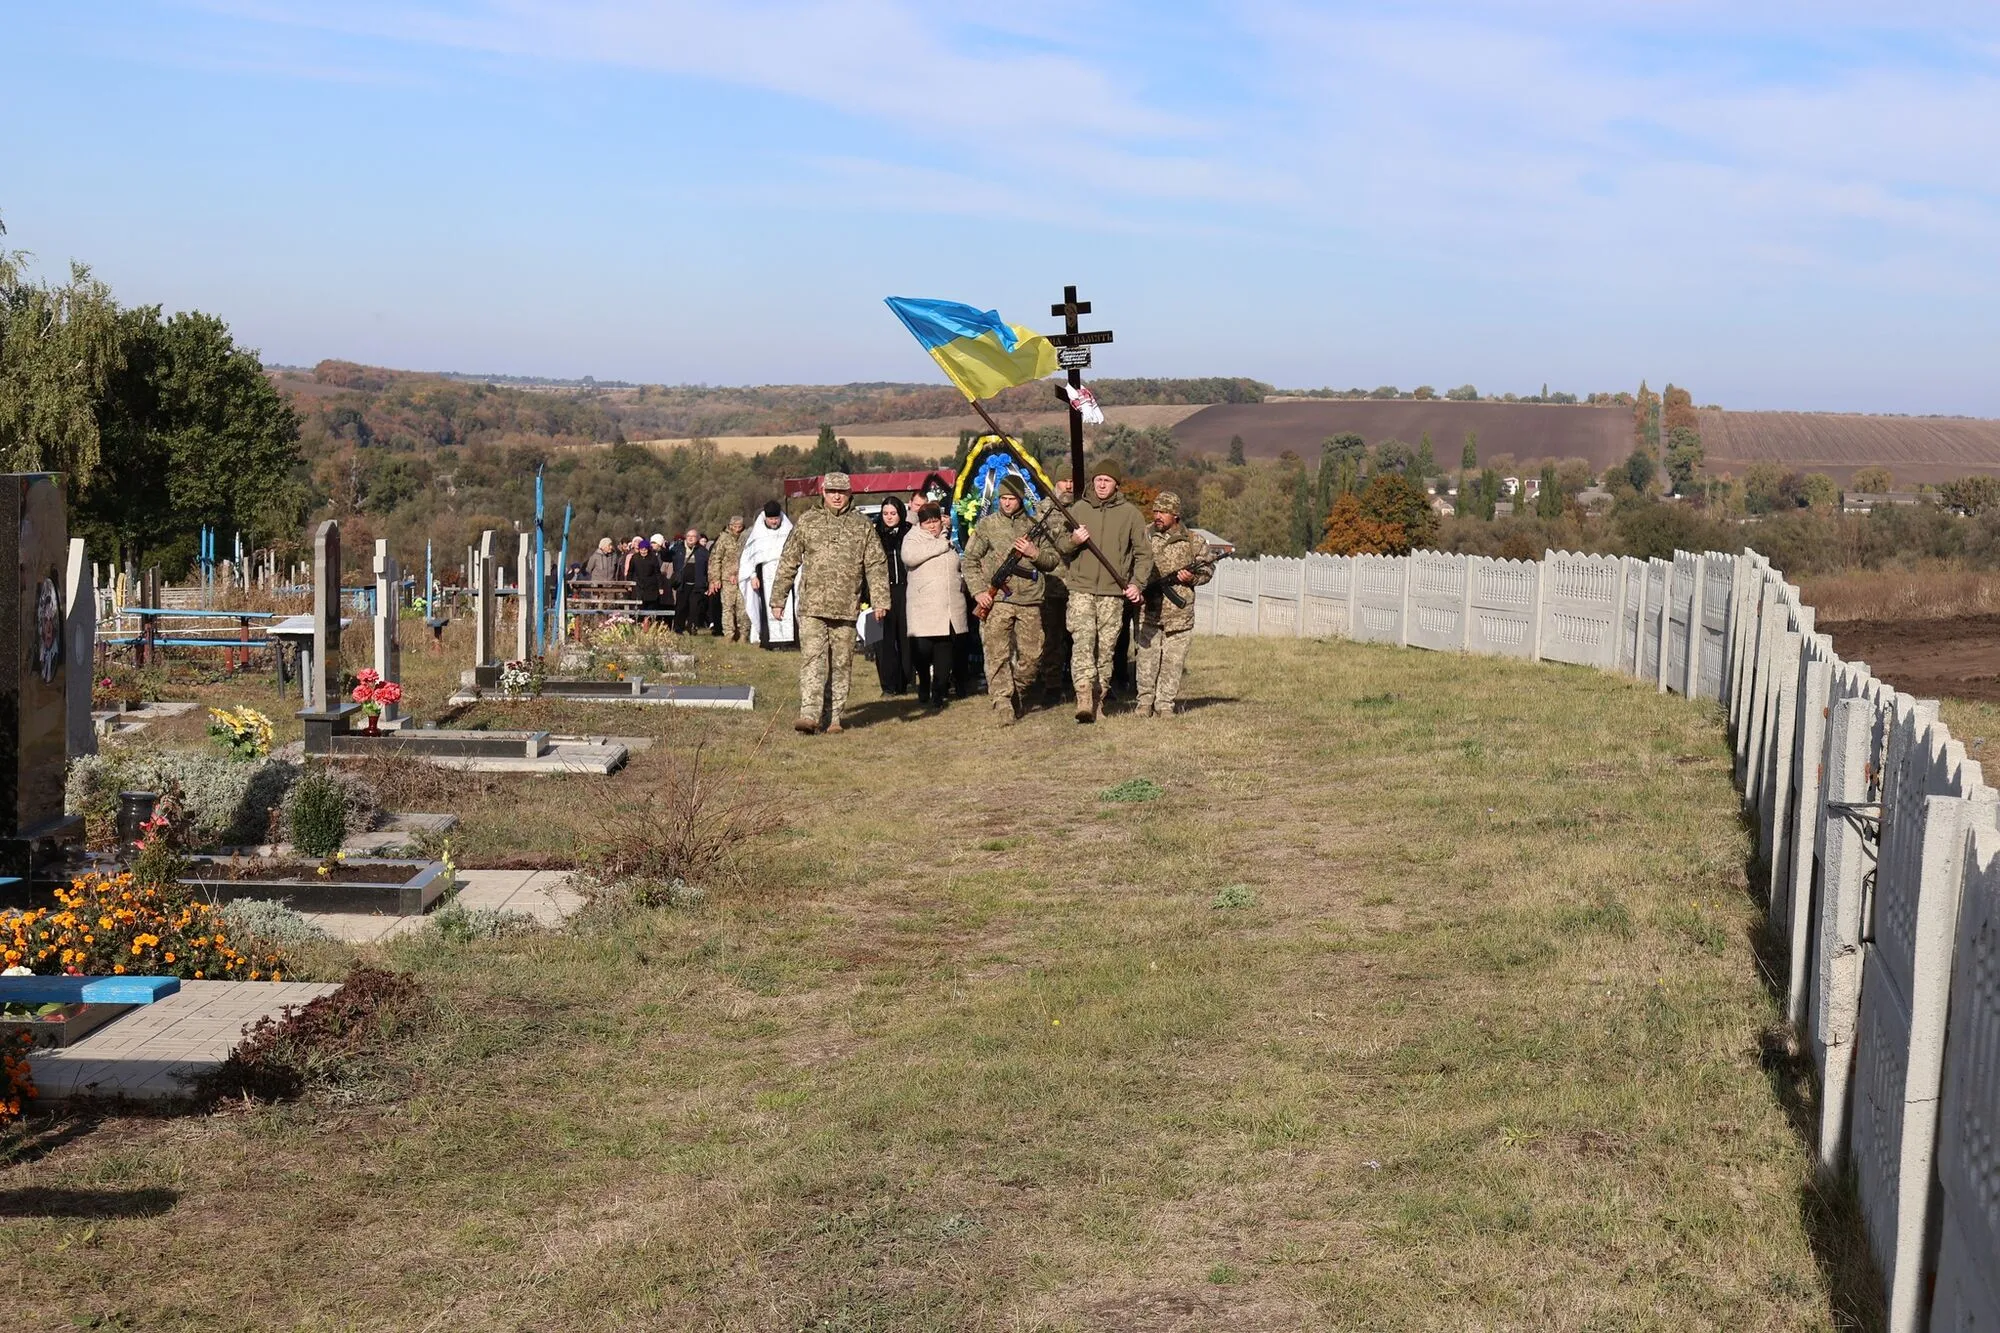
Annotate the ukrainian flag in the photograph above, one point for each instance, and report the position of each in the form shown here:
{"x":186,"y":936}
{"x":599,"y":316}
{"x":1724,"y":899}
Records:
{"x":979,"y":351}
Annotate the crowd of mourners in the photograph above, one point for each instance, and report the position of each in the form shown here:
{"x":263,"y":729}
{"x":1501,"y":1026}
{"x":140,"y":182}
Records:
{"x":1080,"y":602}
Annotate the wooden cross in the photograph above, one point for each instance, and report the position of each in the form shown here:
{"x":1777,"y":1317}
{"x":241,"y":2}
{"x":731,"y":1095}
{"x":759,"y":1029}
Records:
{"x":1074,"y":349}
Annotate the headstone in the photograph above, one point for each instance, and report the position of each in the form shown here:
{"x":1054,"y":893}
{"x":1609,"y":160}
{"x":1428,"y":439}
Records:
{"x":524,"y":598}
{"x":388,"y":652}
{"x":34,"y":680}
{"x":485,"y":670}
{"x":79,"y":648}
{"x":327,"y":709}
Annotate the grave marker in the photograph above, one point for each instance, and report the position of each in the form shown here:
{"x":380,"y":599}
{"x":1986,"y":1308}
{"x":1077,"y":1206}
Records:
{"x":388,"y":652}
{"x":524,"y":597}
{"x":79,"y":648}
{"x":34,"y":680}
{"x":327,"y":710}
{"x":485,"y":671}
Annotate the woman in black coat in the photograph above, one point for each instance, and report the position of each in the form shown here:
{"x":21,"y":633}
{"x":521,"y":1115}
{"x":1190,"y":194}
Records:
{"x":644,"y":571}
{"x":892,"y":656}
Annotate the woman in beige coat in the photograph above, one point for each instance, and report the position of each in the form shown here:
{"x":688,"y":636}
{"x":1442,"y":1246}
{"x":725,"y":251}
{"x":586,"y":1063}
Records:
{"x":933,"y":604}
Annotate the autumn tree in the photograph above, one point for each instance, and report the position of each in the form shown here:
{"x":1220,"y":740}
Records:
{"x":1873,"y":480}
{"x":1646,"y":419}
{"x":1236,"y":458}
{"x":1349,"y":531}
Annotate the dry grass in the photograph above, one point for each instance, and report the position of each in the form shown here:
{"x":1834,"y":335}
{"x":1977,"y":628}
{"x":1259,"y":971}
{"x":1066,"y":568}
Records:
{"x":968,"y":1047}
{"x":1932,"y":594}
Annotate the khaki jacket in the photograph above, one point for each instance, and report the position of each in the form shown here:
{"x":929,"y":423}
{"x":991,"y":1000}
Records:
{"x":1119,"y":530}
{"x":992,"y":541}
{"x":724,"y":556}
{"x":837,"y":554}
{"x":932,"y":602}
{"x":1174,"y":550}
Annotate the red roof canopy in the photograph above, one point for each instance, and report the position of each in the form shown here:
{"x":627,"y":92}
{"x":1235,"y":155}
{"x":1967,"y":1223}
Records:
{"x":876,"y":483}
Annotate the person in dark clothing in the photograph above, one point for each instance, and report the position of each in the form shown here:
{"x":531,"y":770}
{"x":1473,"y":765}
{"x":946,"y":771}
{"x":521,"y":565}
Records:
{"x":643,"y":568}
{"x":689,"y":561}
{"x":893,"y":667}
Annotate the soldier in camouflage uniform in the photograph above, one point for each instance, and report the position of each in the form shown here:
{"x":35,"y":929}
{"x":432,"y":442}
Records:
{"x":722,"y":561}
{"x":838,"y":551}
{"x":1166,"y":626}
{"x":1012,"y":624}
{"x":1097,"y":597}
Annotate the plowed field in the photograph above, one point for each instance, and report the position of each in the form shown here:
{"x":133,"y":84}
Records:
{"x":1913,"y":448}
{"x":1958,"y":658}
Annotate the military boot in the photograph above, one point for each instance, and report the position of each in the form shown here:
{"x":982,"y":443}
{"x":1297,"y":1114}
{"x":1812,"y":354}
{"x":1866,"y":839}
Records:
{"x":806,"y":726}
{"x":1004,"y":713}
{"x":1086,"y":704}
{"x":833,"y":725}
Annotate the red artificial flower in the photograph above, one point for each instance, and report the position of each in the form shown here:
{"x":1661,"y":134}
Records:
{"x":388,"y":692}
{"x":362,"y":694}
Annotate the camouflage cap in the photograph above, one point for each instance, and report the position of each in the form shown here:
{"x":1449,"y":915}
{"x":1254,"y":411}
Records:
{"x":1011,"y":484}
{"x":835,"y":481}
{"x":1166,"y":502}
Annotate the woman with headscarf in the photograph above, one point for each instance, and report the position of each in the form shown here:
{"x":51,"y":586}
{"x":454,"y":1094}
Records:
{"x":644,"y":571}
{"x":934,"y":602}
{"x":892,"y":654}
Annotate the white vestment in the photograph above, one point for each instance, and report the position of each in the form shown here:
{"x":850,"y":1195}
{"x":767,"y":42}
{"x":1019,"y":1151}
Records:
{"x":762,"y":548}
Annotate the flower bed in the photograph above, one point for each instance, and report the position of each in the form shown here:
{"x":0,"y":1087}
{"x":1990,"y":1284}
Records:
{"x":110,"y":925}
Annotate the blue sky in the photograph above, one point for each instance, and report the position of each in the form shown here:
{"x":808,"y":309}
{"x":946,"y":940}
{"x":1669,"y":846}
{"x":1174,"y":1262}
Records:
{"x":1777,"y":204}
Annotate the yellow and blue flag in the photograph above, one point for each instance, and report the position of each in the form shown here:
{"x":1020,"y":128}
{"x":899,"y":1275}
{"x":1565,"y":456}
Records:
{"x":982,"y":353}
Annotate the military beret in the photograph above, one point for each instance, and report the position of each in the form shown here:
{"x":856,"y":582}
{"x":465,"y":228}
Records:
{"x":1011,"y":484}
{"x":1108,"y":467}
{"x":835,"y":481}
{"x":1166,"y":502}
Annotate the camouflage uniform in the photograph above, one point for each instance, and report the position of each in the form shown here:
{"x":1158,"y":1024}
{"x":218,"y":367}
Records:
{"x":1096,"y":599}
{"x":722,"y":562}
{"x":1166,"y":627}
{"x":1012,"y":630}
{"x":838,"y":553}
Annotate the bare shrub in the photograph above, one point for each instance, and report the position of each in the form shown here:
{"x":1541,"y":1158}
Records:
{"x":690,"y":824}
{"x":405,"y":785}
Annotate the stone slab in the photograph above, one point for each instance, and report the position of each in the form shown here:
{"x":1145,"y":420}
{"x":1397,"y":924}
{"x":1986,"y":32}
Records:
{"x":674,"y":696}
{"x":150,"y":1053}
{"x":544,"y":895}
{"x":562,"y":757}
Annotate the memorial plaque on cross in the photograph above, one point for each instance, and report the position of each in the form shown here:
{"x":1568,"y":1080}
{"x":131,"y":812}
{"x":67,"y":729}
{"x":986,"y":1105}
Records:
{"x":1073,"y":353}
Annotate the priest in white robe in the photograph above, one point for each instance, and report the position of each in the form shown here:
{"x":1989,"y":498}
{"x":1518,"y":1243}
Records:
{"x":763,"y":544}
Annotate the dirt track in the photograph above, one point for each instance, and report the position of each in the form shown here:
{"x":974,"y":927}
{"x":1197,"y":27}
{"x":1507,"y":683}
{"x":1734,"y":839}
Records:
{"x":1958,"y":658}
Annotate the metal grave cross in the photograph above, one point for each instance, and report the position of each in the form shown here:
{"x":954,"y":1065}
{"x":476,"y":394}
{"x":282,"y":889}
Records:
{"x":1073,"y":354}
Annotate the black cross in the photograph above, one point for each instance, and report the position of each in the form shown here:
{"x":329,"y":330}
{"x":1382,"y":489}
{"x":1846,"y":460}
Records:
{"x":1069,"y":308}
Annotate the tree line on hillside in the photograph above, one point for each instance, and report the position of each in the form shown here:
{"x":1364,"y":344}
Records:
{"x":160,"y":424}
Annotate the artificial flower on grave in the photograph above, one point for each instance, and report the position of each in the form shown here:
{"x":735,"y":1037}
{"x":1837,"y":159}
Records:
{"x":373,"y":693}
{"x":244,"y":732}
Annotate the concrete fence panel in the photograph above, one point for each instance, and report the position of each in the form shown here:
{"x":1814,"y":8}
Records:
{"x":1437,"y":610}
{"x":1379,"y":592}
{"x":1580,"y":608}
{"x":1329,"y":591}
{"x":1652,"y":619}
{"x":1717,"y":583}
{"x":1235,"y":584}
{"x":1631,"y":611}
{"x":1681,"y":593}
{"x":1204,"y":608}
{"x":1968,"y":1149}
{"x":1503,"y":606}
{"x":1279,"y":580}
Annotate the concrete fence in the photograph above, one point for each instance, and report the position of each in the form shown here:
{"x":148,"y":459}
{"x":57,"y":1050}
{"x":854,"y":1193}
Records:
{"x":1878,"y":844}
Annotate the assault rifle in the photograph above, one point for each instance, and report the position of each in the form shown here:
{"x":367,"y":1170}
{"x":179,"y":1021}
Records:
{"x":1015,"y":565}
{"x":1168,"y":584}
